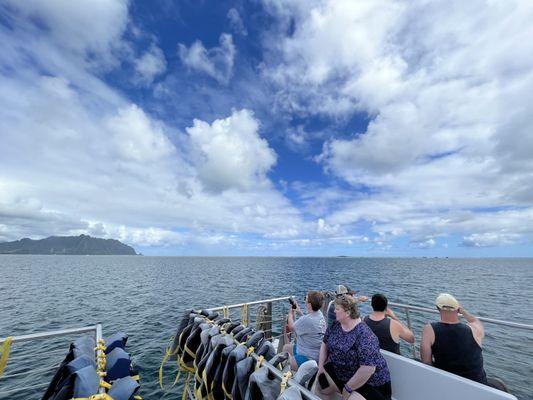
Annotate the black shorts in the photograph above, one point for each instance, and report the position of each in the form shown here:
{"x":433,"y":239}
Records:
{"x":383,"y":392}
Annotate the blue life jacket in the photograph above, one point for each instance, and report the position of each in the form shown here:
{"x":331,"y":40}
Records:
{"x":124,"y":389}
{"x":118,"y":339}
{"x":118,"y":364}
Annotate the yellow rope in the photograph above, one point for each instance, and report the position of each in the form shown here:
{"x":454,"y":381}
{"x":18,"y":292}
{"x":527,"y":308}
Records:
{"x":103,"y":396}
{"x":5,"y":354}
{"x":259,"y":362}
{"x":286,"y":376}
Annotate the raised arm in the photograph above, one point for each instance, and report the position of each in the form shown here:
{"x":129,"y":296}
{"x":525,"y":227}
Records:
{"x":428,"y":338}
{"x":290,"y":320}
{"x":398,"y":329}
{"x":475,"y":324}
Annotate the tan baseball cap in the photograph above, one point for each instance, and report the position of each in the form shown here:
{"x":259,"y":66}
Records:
{"x":447,"y":302}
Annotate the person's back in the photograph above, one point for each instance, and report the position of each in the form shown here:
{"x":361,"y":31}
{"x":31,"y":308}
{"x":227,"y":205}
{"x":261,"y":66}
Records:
{"x":386,"y":326}
{"x":455,"y":350}
{"x":382,"y":330}
{"x":452,"y":345}
{"x":310,"y":330}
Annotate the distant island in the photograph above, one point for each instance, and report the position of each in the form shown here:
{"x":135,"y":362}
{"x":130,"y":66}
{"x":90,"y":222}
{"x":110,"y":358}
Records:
{"x":69,"y":245}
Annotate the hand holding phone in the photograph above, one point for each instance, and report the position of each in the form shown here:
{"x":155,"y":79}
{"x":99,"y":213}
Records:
{"x":293,"y":302}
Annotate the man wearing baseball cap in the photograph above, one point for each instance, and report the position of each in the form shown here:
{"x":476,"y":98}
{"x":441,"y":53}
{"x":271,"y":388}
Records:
{"x":452,"y":345}
{"x":341,"y":290}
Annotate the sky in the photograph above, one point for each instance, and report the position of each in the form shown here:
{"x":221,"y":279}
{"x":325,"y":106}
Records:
{"x":270,"y":127}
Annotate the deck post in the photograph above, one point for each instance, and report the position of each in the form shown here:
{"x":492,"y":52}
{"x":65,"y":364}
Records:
{"x":268,"y":323}
{"x":409,"y":325}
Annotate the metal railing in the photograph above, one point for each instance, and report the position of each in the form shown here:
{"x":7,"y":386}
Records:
{"x":408,"y":308}
{"x":95,"y":329}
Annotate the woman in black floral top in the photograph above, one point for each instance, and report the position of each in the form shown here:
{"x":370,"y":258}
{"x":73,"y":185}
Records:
{"x":350,"y":361}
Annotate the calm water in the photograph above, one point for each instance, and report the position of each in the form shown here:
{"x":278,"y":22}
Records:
{"x":144,"y":296}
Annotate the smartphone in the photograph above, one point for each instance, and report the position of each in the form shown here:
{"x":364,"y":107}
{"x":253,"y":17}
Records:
{"x":323,"y":381}
{"x":293,"y":303}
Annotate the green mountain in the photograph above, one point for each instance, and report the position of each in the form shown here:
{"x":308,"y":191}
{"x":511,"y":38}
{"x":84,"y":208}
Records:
{"x":79,"y":245}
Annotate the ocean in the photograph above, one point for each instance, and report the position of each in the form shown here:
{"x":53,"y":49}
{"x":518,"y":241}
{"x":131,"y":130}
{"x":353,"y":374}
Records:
{"x":146,"y":296}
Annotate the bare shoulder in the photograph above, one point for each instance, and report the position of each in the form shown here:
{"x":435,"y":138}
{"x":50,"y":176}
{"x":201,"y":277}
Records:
{"x":428,"y":332}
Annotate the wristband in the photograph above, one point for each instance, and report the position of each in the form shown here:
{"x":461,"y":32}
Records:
{"x":348,"y":388}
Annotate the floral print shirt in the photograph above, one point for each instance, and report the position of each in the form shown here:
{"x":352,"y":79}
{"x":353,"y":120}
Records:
{"x":349,"y":350}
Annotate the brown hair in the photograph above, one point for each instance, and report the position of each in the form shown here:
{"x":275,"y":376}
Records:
{"x":316,"y":299}
{"x":348,"y":304}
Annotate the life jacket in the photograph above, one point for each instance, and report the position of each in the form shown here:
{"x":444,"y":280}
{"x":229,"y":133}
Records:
{"x":118,"y":365}
{"x":118,"y":339}
{"x":228,"y":375}
{"x":124,"y":389}
{"x":267,"y":350}
{"x":82,"y":347}
{"x":82,"y":383}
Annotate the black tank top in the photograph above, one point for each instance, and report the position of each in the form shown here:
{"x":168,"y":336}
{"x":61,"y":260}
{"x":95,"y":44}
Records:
{"x":382,"y":330}
{"x":455,"y":350}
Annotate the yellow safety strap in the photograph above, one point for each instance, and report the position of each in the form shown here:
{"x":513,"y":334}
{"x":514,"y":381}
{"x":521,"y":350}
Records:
{"x":136,"y":377}
{"x":181,"y":366}
{"x":190,"y":352}
{"x":103,"y":396}
{"x":100,"y":347}
{"x":186,"y":386}
{"x":225,"y":312}
{"x":249,"y":351}
{"x":137,"y":397}
{"x":286,"y":376}
{"x":228,"y":395}
{"x":5,"y":354}
{"x":106,"y":385}
{"x":259,"y":362}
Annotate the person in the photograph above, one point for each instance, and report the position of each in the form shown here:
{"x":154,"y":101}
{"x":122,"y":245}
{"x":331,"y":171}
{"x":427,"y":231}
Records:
{"x":341,"y":290}
{"x":309,"y":329}
{"x":452,"y":345}
{"x":383,"y":322}
{"x":350,"y":362}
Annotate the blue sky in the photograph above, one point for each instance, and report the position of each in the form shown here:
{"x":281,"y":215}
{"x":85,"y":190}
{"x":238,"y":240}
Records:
{"x":270,"y":127}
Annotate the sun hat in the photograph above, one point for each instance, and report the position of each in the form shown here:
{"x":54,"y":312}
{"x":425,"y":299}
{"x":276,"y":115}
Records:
{"x":343,"y":289}
{"x":446,"y":301}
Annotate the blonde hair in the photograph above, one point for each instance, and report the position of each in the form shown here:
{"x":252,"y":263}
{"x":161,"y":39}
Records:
{"x":348,"y":304}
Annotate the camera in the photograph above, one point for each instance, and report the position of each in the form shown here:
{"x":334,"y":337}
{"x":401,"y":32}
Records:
{"x":293,"y":302}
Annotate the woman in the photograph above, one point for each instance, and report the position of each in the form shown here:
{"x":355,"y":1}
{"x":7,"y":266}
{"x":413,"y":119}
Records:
{"x":350,"y":361}
{"x":309,"y":329}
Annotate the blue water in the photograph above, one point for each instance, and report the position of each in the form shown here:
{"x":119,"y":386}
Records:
{"x":145,"y":296}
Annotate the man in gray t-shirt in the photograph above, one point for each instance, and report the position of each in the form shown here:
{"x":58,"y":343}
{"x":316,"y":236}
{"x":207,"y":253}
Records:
{"x":309,"y":329}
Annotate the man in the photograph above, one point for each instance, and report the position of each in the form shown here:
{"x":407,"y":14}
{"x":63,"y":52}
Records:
{"x":452,"y":345}
{"x":309,"y":329}
{"x":341,"y":290}
{"x":386,"y":326}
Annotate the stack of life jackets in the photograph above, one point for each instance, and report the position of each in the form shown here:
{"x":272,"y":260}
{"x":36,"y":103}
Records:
{"x":81,"y":374}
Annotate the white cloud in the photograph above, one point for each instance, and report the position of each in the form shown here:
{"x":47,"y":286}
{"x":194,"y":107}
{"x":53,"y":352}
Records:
{"x":87,"y":28}
{"x":216,"y":62}
{"x":229,"y":153}
{"x":236,"y":23}
{"x":447,"y":91}
{"x":150,"y":65}
{"x":138,"y":138}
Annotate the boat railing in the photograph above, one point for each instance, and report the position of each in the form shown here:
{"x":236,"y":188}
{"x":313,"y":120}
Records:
{"x":26,"y":372}
{"x":408,"y":308}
